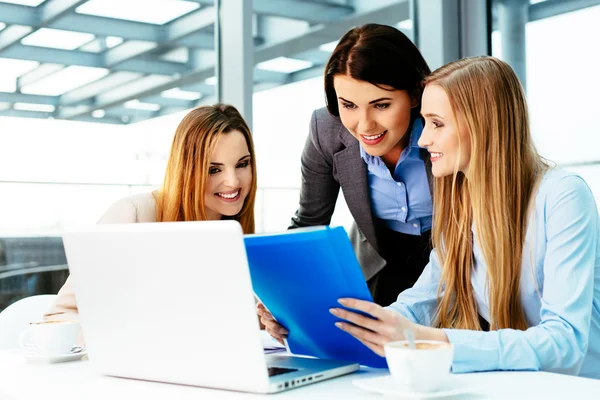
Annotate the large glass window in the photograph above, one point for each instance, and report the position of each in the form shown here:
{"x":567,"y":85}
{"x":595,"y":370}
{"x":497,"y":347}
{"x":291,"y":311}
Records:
{"x":551,"y":44}
{"x":90,"y":99}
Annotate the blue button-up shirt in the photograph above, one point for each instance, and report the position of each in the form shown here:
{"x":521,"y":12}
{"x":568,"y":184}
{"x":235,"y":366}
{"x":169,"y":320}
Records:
{"x":559,"y":288}
{"x":402,"y":201}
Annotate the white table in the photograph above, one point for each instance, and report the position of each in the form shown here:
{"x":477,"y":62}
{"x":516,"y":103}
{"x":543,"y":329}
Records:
{"x":78,"y":380}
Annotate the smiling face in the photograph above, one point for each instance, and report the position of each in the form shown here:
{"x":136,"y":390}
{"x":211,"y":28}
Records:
{"x":378,"y":118}
{"x":441,"y":134}
{"x":230,"y":176}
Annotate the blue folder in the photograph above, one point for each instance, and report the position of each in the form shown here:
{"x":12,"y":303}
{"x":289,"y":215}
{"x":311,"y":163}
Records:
{"x":299,"y":275}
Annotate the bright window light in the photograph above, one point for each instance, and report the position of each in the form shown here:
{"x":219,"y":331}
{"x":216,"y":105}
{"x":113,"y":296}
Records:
{"x":31,"y":3}
{"x":95,"y":46}
{"x":284,"y":64}
{"x":34,"y":107}
{"x":161,"y":11}
{"x":65,"y":80}
{"x":4,"y":106}
{"x":11,"y":70}
{"x":177,"y":93}
{"x":2,"y":26}
{"x":57,"y":39}
{"x":328,"y":46}
{"x":211,"y":81}
{"x":112,"y":41}
{"x":98,"y":113}
{"x":8,"y":84}
{"x":138,"y":105}
{"x":406,"y":25}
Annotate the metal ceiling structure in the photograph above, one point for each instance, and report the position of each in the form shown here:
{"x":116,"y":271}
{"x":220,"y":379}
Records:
{"x":144,"y":70}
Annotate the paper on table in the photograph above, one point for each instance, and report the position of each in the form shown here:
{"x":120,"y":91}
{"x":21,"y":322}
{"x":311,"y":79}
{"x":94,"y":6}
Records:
{"x":269,"y":344}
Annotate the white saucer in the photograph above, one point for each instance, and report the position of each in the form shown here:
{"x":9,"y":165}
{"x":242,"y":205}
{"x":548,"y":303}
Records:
{"x":34,"y":357}
{"x":386,"y":385}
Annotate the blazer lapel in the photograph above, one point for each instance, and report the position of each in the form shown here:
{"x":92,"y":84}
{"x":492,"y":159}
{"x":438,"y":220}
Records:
{"x":352,"y":175}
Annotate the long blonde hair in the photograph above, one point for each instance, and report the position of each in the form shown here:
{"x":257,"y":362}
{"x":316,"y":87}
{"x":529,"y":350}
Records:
{"x":489,"y":103}
{"x":181,"y":197}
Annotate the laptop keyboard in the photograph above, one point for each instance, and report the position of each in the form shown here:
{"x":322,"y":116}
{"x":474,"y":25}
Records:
{"x":274,"y":371}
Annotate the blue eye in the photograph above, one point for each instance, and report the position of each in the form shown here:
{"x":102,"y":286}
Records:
{"x":244,"y":164}
{"x":213,"y":171}
{"x":382,"y":106}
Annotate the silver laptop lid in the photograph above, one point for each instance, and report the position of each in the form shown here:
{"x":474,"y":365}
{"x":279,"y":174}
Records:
{"x":167,"y":302}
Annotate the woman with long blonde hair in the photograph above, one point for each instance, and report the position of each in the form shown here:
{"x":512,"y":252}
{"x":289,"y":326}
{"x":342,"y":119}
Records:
{"x":513,"y":282}
{"x":210,"y":175}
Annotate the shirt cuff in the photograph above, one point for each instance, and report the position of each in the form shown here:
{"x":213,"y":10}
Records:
{"x":473,"y":350}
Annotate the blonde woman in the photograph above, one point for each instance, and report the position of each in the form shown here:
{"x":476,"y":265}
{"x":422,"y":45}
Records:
{"x":513,"y":281}
{"x":211,"y":175}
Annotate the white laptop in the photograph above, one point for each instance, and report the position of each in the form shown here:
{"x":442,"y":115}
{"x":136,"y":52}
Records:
{"x":173,"y":302}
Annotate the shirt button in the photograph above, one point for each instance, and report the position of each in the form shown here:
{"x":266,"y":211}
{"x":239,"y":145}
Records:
{"x":399,"y":184}
{"x":415,"y":225}
{"x":403,"y":208}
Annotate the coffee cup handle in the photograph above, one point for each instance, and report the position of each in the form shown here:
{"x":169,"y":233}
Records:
{"x":22,"y":337}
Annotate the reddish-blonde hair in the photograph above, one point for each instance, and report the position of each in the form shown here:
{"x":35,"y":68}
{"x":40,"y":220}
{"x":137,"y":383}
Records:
{"x":181,"y":197}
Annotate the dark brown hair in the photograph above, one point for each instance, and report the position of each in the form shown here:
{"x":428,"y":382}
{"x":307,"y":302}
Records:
{"x":378,"y":54}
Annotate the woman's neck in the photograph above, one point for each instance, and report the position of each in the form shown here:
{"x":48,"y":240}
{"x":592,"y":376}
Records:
{"x":391,"y":157}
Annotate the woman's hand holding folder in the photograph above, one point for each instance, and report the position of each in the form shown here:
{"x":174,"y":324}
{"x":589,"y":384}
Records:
{"x":384,"y":326}
{"x":274,"y":329}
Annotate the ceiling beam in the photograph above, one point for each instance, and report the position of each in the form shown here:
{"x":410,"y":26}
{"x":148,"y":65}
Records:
{"x":168,"y":102}
{"x":85,"y":59}
{"x":127,"y":51}
{"x":552,"y":8}
{"x":13,"y":14}
{"x":37,"y":74}
{"x":12,"y":35}
{"x":323,"y":33}
{"x":200,"y":87}
{"x":190,"y":24}
{"x":53,"y":10}
{"x":93,"y":89}
{"x":307,"y":10}
{"x":6,"y":97}
{"x":179,"y":29}
{"x":25,"y":114}
{"x":50,"y":11}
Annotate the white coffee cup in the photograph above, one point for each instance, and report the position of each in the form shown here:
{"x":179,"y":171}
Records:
{"x":50,"y":338}
{"x":422,"y":369}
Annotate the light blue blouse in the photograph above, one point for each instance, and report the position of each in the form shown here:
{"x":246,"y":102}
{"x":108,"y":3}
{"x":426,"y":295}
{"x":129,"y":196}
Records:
{"x":401,"y":201}
{"x":560,"y":291}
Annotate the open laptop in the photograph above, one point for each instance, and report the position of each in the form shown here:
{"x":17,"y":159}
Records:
{"x":173,"y":302}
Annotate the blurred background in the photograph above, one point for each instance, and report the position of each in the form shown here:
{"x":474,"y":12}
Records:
{"x":91,"y":92}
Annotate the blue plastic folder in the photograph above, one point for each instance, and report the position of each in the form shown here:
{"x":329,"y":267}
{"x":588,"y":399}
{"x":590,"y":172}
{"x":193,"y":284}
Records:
{"x":299,"y":275}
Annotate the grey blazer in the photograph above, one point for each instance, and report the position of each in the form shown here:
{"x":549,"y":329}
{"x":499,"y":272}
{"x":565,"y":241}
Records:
{"x":330,"y":160}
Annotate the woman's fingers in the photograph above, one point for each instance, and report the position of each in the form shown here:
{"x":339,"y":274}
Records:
{"x":374,"y":346}
{"x":361,"y":333}
{"x":357,"y":319}
{"x":366,"y":306}
{"x":274,"y":329}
